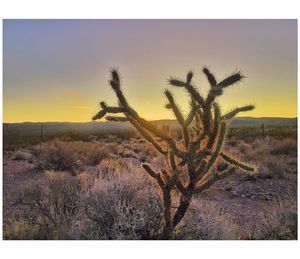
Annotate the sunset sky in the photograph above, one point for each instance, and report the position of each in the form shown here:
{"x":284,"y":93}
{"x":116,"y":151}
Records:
{"x":58,"y":70}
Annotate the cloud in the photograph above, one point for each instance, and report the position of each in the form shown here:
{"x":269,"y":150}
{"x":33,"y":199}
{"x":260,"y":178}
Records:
{"x":72,"y":94}
{"x":84,"y":107}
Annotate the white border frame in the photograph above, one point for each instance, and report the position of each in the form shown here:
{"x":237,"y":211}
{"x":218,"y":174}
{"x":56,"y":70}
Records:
{"x":168,"y":9}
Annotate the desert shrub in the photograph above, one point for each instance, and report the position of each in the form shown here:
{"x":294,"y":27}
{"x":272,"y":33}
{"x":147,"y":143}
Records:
{"x":57,"y":155}
{"x":112,"y":167}
{"x":279,"y":222}
{"x":268,"y":154}
{"x":71,"y":156}
{"x":23,"y":156}
{"x":21,"y":230}
{"x":243,"y":147}
{"x":274,"y":167}
{"x":122,"y":204}
{"x":206,"y":221}
{"x":148,"y":152}
{"x":56,"y":203}
{"x":118,"y":203}
{"x":285,"y":147}
{"x":94,"y":153}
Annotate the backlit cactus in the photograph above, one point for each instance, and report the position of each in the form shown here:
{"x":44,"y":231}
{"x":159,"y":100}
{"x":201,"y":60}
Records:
{"x":203,"y":131}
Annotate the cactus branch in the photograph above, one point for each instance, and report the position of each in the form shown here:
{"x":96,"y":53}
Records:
{"x":231,"y":80}
{"x":174,"y":107}
{"x":155,"y":175}
{"x":213,"y":178}
{"x":234,"y":112}
{"x":234,"y":162}
{"x":210,"y":77}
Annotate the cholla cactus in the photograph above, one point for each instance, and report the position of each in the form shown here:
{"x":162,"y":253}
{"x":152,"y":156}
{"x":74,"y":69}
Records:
{"x":203,"y":132}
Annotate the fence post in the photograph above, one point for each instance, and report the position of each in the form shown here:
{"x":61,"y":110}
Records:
{"x":42,"y":132}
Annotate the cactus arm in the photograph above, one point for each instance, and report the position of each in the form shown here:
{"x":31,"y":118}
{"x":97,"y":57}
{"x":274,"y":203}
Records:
{"x":197,"y":142}
{"x":194,"y":109}
{"x":210,"y":180}
{"x":207,"y":118}
{"x":186,"y":137}
{"x":192,"y":91}
{"x":216,"y":123}
{"x":172,"y":160}
{"x":200,"y":115}
{"x":195,"y":94}
{"x":106,"y":110}
{"x":201,"y":155}
{"x":234,"y":162}
{"x":173,"y":180}
{"x":99,"y":115}
{"x":234,"y":112}
{"x":182,"y":208}
{"x":231,"y":80}
{"x":180,"y":186}
{"x":210,"y":77}
{"x":215,"y":90}
{"x":191,"y":115}
{"x":206,"y":167}
{"x":156,"y":176}
{"x":167,"y":201}
{"x":179,"y":117}
{"x":174,"y":107}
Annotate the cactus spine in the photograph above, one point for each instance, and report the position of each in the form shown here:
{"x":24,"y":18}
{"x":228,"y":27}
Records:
{"x":203,"y":131}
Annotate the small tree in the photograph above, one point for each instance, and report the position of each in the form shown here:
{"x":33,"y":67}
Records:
{"x":203,"y":132}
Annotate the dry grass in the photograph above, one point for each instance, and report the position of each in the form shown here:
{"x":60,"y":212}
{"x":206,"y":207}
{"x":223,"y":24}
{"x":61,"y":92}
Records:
{"x":121,"y":204}
{"x":98,"y":190}
{"x":279,"y":222}
{"x":206,"y":221}
{"x":269,"y":155}
{"x":54,"y":204}
{"x":22,"y":155}
{"x":61,"y":155}
{"x":285,"y":147}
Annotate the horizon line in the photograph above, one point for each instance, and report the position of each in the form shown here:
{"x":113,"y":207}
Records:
{"x":245,"y":117}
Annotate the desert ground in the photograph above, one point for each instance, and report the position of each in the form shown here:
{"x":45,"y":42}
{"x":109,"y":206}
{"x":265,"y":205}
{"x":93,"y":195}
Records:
{"x":65,"y":188}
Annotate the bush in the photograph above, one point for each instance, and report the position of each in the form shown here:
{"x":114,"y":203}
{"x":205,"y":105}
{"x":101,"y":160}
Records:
{"x":57,"y":155}
{"x":120,"y":205}
{"x":279,"y":222}
{"x":285,"y":147}
{"x":56,"y":204}
{"x":206,"y":221}
{"x":21,"y":230}
{"x":22,"y":156}
{"x":61,"y":155}
{"x":92,"y":153}
{"x":268,"y":154}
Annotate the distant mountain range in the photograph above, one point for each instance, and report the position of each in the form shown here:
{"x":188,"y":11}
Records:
{"x":115,"y":126}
